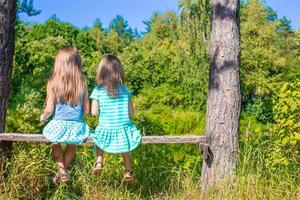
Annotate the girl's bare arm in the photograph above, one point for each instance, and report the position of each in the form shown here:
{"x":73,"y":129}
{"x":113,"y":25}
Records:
{"x":86,"y":102}
{"x":131,"y":110}
{"x":95,"y":108}
{"x":49,"y":109}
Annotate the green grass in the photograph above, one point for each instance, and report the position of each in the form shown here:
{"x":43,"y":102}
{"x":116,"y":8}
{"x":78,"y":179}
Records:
{"x":160,"y":174}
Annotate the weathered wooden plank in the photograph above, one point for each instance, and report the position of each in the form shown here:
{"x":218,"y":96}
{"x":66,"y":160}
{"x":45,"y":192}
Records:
{"x":22,"y":137}
{"x":146,"y":139}
{"x":173,"y":139}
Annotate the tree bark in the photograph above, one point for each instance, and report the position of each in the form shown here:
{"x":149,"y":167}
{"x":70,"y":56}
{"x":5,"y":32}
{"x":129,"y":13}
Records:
{"x":7,"y":32}
{"x":224,"y":98}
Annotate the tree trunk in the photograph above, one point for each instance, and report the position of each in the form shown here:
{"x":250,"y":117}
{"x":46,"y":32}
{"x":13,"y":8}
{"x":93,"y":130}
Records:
{"x":224,"y":101}
{"x":7,"y":31}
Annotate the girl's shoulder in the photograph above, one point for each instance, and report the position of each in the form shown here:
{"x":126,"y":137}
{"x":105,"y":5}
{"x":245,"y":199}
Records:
{"x":98,"y":91}
{"x":125,"y":90}
{"x":123,"y":87}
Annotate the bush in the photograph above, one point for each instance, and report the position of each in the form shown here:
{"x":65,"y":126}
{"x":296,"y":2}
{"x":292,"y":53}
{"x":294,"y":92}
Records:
{"x":285,"y":133}
{"x":163,"y":120}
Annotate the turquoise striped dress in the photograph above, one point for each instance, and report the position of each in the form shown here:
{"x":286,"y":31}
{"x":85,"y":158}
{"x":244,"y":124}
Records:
{"x":115,"y":133}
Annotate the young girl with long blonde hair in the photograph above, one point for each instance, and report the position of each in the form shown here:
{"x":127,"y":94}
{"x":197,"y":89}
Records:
{"x":111,"y":100}
{"x":67,"y":98}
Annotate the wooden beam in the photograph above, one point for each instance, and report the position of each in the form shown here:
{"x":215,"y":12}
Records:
{"x":173,"y":139}
{"x":146,"y":139}
{"x":22,"y":137}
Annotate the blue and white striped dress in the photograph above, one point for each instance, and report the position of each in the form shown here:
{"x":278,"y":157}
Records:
{"x":115,"y":133}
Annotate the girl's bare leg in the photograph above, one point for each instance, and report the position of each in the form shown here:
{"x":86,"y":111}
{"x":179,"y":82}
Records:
{"x":58,"y":156}
{"x":127,"y":162}
{"x":69,"y":154}
{"x":99,"y":162}
{"x":100,"y":154}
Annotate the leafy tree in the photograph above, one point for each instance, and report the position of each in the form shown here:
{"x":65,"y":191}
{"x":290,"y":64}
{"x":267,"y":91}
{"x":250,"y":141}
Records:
{"x":290,"y":49}
{"x":85,"y":42}
{"x":121,"y":27}
{"x":26,"y":6}
{"x":285,"y":134}
{"x":98,"y":25}
{"x":114,"y":43}
{"x":98,"y":34}
{"x":165,"y":26}
{"x":195,"y":21}
{"x":271,"y":14}
{"x":148,"y":23}
{"x":285,"y":26}
{"x":261,"y":63}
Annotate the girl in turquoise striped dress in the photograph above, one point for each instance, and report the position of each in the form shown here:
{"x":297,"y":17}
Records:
{"x":67,"y":97}
{"x":111,"y":100}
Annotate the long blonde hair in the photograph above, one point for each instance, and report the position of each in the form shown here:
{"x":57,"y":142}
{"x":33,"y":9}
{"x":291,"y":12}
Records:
{"x":110,"y":73}
{"x":67,"y":83}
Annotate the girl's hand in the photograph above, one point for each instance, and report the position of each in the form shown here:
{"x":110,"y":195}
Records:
{"x":43,"y":118}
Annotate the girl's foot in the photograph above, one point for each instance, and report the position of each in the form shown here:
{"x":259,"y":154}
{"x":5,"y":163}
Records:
{"x":128,"y":177}
{"x":98,"y":168}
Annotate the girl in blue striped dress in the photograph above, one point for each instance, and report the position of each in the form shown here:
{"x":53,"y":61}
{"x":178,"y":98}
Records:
{"x":67,"y":98}
{"x":111,"y":100}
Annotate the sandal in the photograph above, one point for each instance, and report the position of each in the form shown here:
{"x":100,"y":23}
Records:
{"x":56,"y":179}
{"x":98,"y":168}
{"x":60,"y":177}
{"x":64,"y":177}
{"x":128,"y":177}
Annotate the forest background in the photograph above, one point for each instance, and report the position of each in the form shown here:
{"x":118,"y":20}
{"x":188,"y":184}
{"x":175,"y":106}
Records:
{"x":166,"y":69}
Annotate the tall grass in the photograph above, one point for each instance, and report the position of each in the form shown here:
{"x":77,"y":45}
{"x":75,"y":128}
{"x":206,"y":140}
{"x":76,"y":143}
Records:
{"x":161,"y":171}
{"x":159,"y":175}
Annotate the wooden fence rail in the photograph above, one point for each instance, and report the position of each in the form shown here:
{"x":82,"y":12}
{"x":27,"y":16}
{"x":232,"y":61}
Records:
{"x":202,"y":141}
{"x":145,"y":139}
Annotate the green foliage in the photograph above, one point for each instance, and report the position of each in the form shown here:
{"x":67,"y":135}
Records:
{"x":162,"y":120}
{"x":286,"y":132}
{"x":121,"y":27}
{"x":167,"y":71}
{"x":290,"y":49}
{"x":162,"y":58}
{"x":114,"y":42}
{"x":269,"y":55}
{"x":26,"y":6}
{"x":195,"y":23}
{"x":170,"y":96}
{"x":261,"y":108}
{"x":85,"y":42}
{"x":23,"y":117}
{"x":261,"y":62}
